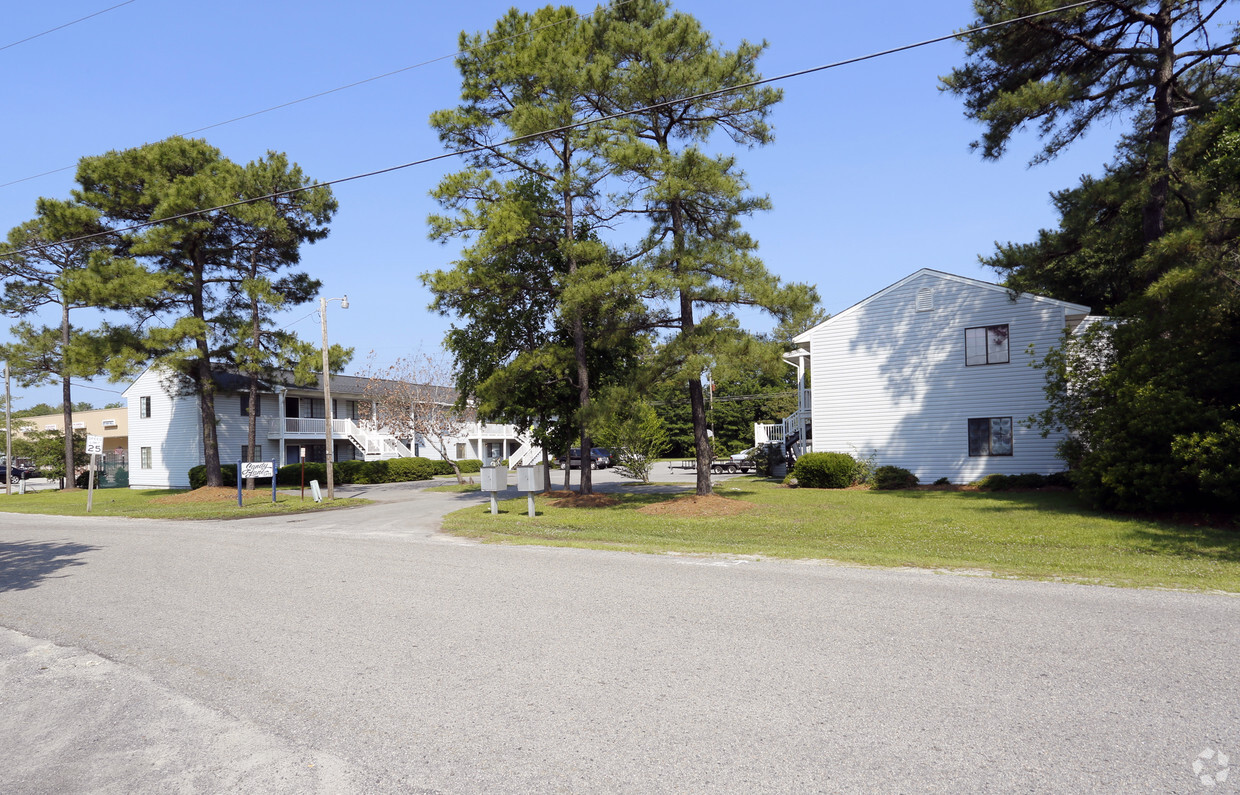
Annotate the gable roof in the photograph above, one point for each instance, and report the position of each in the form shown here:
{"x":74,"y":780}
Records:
{"x":231,"y":381}
{"x":951,"y":277}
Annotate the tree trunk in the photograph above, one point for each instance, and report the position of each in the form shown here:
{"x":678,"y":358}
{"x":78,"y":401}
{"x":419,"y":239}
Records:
{"x":1154,"y":214}
{"x":66,"y":396}
{"x":579,"y":339}
{"x":205,"y":384}
{"x":697,"y":402}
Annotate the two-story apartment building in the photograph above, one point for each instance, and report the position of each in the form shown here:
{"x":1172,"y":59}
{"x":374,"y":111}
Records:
{"x":165,"y":427}
{"x":932,"y":374}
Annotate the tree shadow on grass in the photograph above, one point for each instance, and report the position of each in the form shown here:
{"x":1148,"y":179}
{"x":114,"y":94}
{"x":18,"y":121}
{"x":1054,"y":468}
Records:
{"x":25,"y":564}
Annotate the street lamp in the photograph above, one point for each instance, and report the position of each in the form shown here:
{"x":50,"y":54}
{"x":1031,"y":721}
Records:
{"x":327,"y":392}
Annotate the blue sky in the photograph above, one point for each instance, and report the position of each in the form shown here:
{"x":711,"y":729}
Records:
{"x":870,"y":174}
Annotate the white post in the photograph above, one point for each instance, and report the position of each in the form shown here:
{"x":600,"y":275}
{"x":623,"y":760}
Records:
{"x":90,"y":486}
{"x":327,"y":402}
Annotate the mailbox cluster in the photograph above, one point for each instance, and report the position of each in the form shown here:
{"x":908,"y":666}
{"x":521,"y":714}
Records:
{"x":530,"y":479}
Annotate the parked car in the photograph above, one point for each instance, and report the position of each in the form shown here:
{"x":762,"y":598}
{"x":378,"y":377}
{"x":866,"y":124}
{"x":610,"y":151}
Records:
{"x":17,"y":472}
{"x":600,"y":458}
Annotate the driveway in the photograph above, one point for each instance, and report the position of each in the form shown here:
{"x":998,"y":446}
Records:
{"x":362,"y":651}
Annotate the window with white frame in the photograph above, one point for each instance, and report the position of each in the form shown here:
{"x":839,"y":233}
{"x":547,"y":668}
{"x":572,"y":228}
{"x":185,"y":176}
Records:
{"x":986,"y":345}
{"x":146,"y":458}
{"x":990,"y":436}
{"x":144,"y":406}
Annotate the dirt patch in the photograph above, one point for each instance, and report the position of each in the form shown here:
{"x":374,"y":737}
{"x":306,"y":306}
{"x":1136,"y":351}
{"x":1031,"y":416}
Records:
{"x":211,"y":494}
{"x":694,"y":505}
{"x":575,"y":500}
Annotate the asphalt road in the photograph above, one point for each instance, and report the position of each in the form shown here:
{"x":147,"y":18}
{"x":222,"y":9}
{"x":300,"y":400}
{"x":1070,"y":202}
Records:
{"x":360,"y":651}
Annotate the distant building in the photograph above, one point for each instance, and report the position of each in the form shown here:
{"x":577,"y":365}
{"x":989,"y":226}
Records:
{"x":931,"y":374}
{"x":111,"y":424}
{"x":166,"y":428}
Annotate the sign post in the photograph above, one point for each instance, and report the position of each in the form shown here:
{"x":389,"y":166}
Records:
{"x":256,"y":469}
{"x":94,"y":447}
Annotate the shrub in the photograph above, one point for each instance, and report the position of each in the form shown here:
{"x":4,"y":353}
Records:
{"x":994,"y":483}
{"x":122,"y":478}
{"x":825,"y":470}
{"x":350,"y":471}
{"x":1061,"y":480}
{"x":440,"y":467}
{"x":401,"y":470}
{"x":942,"y":482}
{"x":198,"y":475}
{"x":891,"y":477}
{"x":290,"y":474}
{"x":468,"y":465}
{"x":1029,"y":480}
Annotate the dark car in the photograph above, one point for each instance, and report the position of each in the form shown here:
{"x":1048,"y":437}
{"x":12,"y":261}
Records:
{"x":600,"y":458}
{"x":17,"y":472}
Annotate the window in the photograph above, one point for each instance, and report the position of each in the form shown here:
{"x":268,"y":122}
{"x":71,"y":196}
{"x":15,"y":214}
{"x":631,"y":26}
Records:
{"x":144,"y":407}
{"x":245,"y":406}
{"x":146,"y":458}
{"x":986,"y":345}
{"x":990,"y":436}
{"x":258,"y":453}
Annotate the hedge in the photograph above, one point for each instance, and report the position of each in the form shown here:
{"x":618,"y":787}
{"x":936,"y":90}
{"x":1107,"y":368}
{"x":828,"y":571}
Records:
{"x":393,"y":470}
{"x":825,"y":470}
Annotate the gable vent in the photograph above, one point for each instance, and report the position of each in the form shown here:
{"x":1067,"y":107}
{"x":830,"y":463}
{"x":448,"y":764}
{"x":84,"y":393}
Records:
{"x":925,"y":300}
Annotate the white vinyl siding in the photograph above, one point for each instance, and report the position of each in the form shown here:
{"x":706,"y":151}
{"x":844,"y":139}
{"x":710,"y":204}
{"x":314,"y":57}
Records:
{"x":893,"y":382}
{"x":172,"y":429}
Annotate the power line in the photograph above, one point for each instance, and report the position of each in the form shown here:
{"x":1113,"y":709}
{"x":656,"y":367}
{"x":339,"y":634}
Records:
{"x":326,"y":92}
{"x":556,"y":130}
{"x":62,"y":27}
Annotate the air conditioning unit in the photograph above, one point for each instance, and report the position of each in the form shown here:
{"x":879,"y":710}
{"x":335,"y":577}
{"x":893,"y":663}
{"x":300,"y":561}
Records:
{"x":79,"y":426}
{"x":109,"y":423}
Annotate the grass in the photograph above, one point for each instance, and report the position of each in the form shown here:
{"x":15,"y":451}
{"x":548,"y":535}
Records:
{"x":455,"y":488}
{"x":1041,"y":535}
{"x":143,"y":504}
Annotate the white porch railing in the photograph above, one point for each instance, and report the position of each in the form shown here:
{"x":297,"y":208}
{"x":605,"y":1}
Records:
{"x":373,"y":444}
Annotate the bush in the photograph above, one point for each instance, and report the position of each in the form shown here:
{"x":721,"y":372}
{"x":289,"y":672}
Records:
{"x":350,"y":471}
{"x":121,"y":476}
{"x":825,"y":470}
{"x":440,"y":467}
{"x":1027,"y":480}
{"x":994,"y":483}
{"x":198,"y":475}
{"x":468,"y":466}
{"x":1060,"y":480}
{"x":942,"y":482}
{"x":401,"y":470}
{"x":891,"y":477}
{"x":290,"y":474}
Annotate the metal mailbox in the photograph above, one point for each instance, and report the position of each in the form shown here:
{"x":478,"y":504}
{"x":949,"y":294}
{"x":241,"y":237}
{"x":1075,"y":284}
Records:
{"x":495,"y":478}
{"x":532,"y":478}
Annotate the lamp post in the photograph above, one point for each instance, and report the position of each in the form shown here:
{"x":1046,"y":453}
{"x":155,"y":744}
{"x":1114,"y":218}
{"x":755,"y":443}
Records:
{"x":327,"y":393}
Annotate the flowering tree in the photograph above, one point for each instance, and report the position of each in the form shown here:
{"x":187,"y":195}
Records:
{"x":409,"y":404}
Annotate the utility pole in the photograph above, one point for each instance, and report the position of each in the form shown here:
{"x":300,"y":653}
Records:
{"x":8,"y":433}
{"x":327,"y":395}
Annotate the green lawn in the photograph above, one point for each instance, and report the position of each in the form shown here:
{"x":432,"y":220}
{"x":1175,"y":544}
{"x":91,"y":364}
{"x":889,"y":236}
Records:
{"x":1045,"y":535}
{"x":142,"y":503}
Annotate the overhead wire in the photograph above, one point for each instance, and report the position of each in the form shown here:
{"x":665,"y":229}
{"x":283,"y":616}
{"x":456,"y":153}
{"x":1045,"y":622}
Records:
{"x":556,"y":130}
{"x":67,"y":24}
{"x":326,"y":92}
